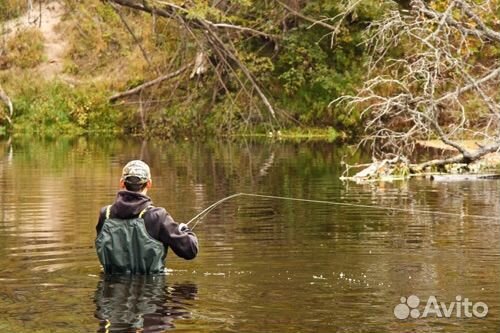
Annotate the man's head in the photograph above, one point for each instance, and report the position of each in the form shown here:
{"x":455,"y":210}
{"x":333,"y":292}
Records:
{"x":136,"y":176}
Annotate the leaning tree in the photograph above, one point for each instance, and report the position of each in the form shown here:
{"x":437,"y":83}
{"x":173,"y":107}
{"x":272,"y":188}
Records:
{"x":434,"y":72}
{"x":215,"y":43}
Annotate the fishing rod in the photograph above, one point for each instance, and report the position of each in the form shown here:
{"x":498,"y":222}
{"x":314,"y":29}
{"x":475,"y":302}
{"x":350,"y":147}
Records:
{"x":207,"y":210}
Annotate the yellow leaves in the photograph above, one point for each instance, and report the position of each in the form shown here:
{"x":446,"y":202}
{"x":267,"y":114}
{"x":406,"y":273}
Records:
{"x":439,"y":5}
{"x":203,"y":10}
{"x":255,"y":63}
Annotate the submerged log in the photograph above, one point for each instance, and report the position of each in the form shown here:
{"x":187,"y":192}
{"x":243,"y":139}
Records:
{"x":388,"y":169}
{"x":399,"y":168}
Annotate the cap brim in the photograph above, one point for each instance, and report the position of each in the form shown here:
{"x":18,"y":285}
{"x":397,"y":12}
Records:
{"x":134,"y":180}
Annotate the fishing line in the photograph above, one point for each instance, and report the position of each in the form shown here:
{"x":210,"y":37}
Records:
{"x":207,"y":210}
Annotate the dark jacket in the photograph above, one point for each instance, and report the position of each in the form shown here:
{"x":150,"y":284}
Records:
{"x":159,"y":224}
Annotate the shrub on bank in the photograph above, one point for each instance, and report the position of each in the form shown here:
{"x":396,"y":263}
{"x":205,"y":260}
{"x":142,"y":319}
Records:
{"x":55,"y":107}
{"x":25,"y":48}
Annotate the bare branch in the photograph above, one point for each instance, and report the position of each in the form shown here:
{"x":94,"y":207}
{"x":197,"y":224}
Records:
{"x":148,"y":84}
{"x":490,"y":33}
{"x":491,"y":148}
{"x":129,"y":29}
{"x":461,"y":90}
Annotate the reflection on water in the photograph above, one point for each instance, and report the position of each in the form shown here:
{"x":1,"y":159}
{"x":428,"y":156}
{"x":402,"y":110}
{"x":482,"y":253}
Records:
{"x":141,"y":303}
{"x":264,"y":265}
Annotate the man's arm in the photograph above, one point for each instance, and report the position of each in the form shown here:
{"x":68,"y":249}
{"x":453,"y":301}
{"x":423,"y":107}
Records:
{"x":100,"y":221}
{"x":184,"y":242}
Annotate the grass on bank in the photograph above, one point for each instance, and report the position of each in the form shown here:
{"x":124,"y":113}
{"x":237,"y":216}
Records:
{"x":102,"y":58}
{"x":56,"y":107}
{"x":299,"y":134}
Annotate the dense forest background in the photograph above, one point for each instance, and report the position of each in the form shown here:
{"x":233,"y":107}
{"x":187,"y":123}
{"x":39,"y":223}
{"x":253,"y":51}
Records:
{"x":221,"y":67}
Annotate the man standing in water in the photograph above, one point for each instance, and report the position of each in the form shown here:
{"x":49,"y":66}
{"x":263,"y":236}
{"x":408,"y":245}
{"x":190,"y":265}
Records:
{"x":132,"y":235}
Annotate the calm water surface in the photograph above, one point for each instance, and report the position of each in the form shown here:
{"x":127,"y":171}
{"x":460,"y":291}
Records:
{"x":264,"y":266}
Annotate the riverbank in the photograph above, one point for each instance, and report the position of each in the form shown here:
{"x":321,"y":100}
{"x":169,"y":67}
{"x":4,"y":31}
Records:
{"x":61,"y":71}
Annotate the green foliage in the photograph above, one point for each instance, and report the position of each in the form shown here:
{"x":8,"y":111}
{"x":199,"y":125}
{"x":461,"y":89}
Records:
{"x":203,"y":10}
{"x":301,"y":71}
{"x":312,"y":74}
{"x":25,"y":49}
{"x":58,"y":108}
{"x":310,"y":134}
{"x":96,"y":37}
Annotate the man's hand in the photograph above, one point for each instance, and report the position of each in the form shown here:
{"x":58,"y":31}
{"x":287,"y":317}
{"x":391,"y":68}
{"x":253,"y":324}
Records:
{"x":183,"y":227}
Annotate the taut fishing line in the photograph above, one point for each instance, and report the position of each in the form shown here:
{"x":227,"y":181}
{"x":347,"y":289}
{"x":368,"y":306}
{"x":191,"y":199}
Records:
{"x":207,"y":210}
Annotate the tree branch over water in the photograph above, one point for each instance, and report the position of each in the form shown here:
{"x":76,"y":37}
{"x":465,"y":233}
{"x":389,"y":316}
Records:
{"x":208,"y":34}
{"x":148,"y":84}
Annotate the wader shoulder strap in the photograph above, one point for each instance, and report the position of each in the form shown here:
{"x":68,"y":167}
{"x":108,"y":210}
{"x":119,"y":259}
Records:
{"x":108,"y":211}
{"x":144,"y":211}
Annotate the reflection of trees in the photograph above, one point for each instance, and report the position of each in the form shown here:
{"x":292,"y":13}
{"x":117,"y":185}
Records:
{"x":443,"y":255}
{"x":142,"y":303}
{"x":55,"y":179}
{"x":51,"y":193}
{"x":6,"y":152}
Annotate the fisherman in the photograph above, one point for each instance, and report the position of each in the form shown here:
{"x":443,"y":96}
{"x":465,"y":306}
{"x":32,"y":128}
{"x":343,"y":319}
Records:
{"x":133,"y":236}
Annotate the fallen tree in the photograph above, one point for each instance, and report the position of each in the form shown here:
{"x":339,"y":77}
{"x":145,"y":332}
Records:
{"x":212,"y":38}
{"x":158,"y":80}
{"x":433,"y":73}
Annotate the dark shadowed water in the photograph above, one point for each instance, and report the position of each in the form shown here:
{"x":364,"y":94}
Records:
{"x":265,"y":265}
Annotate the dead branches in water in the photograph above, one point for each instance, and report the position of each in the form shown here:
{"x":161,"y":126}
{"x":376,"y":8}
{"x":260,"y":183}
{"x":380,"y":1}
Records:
{"x":395,"y":168}
{"x":463,"y":158}
{"x":400,"y":168}
{"x":436,"y":87}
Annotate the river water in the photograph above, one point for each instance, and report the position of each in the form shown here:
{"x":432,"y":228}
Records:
{"x":265,"y":265}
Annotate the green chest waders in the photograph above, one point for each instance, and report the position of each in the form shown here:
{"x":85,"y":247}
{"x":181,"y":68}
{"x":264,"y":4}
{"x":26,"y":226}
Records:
{"x":125,"y":247}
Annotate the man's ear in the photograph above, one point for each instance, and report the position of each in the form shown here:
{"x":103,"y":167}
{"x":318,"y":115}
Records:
{"x":122,"y":184}
{"x":149,"y":184}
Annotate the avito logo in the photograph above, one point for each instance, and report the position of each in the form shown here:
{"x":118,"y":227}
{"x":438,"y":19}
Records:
{"x":409,"y":307}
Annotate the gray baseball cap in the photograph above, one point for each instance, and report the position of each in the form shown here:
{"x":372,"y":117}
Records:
{"x":136,"y":172}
